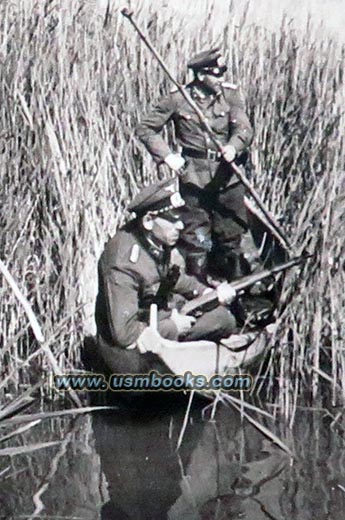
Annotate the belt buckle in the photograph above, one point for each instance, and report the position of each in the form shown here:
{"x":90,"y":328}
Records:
{"x":212,"y":155}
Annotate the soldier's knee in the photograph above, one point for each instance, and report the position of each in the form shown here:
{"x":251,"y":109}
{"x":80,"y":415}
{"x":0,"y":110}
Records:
{"x":197,"y":240}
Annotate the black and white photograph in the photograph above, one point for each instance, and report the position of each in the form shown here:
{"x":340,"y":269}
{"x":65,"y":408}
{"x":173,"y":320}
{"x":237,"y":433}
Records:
{"x":172,"y":260}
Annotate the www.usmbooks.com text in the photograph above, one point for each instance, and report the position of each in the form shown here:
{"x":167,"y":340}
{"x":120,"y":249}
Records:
{"x":154,"y":381}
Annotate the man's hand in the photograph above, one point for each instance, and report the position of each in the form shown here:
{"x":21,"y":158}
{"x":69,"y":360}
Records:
{"x":175,"y":161}
{"x":149,"y":341}
{"x":229,"y":153}
{"x":183,"y":323}
{"x":226,"y":293}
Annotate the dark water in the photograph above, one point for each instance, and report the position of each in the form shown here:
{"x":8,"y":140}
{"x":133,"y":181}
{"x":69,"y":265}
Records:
{"x":116,"y":466}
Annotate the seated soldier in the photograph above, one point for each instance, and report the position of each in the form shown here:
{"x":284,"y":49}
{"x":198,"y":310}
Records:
{"x":141,"y":266}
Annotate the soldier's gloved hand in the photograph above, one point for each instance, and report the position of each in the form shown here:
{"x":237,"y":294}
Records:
{"x":175,"y":161}
{"x":226,"y":293}
{"x":183,"y":323}
{"x":229,"y":152}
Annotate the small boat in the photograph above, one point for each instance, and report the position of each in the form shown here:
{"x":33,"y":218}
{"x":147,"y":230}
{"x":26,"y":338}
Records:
{"x":230,"y":355}
{"x":208,"y":358}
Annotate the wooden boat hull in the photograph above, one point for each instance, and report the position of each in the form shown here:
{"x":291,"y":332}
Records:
{"x":206,"y":357}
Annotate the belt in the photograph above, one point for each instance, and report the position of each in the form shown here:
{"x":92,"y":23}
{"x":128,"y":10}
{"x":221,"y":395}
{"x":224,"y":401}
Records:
{"x":212,"y":155}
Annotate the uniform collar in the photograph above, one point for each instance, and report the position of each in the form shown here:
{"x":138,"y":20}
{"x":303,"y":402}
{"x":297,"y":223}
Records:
{"x":200,"y":95}
{"x":158,"y":252}
{"x":155,"y":248}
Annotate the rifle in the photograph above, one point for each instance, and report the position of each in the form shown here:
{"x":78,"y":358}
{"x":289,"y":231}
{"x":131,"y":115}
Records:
{"x":127,"y":13}
{"x":239,"y":285}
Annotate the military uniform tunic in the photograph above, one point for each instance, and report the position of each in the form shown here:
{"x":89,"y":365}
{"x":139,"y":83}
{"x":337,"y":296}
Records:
{"x":226,"y":115}
{"x":215,"y":212}
{"x":131,"y":271}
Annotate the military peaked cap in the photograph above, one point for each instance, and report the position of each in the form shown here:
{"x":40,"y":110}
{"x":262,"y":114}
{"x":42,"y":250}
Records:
{"x":160,"y":198}
{"x":210,"y":61}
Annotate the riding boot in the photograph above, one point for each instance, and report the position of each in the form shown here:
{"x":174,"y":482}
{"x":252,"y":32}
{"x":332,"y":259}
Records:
{"x":251,"y":253}
{"x":256,"y":264}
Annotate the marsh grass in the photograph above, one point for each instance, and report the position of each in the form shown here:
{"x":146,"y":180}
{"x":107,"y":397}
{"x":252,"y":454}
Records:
{"x":73,"y":84}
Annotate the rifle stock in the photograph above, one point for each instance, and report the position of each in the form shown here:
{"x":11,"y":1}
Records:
{"x":241,"y":284}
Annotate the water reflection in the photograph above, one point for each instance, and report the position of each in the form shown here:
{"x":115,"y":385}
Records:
{"x":216,"y":473}
{"x":139,"y":462}
{"x":125,"y":466}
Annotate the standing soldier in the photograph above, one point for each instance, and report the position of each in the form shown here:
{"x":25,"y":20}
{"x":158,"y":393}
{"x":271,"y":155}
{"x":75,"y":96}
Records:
{"x":214,"y":216}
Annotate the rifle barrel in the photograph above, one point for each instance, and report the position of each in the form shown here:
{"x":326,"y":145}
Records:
{"x":241,"y":284}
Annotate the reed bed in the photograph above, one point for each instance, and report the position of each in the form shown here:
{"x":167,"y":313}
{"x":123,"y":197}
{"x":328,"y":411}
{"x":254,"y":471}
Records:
{"x":74,"y":80}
